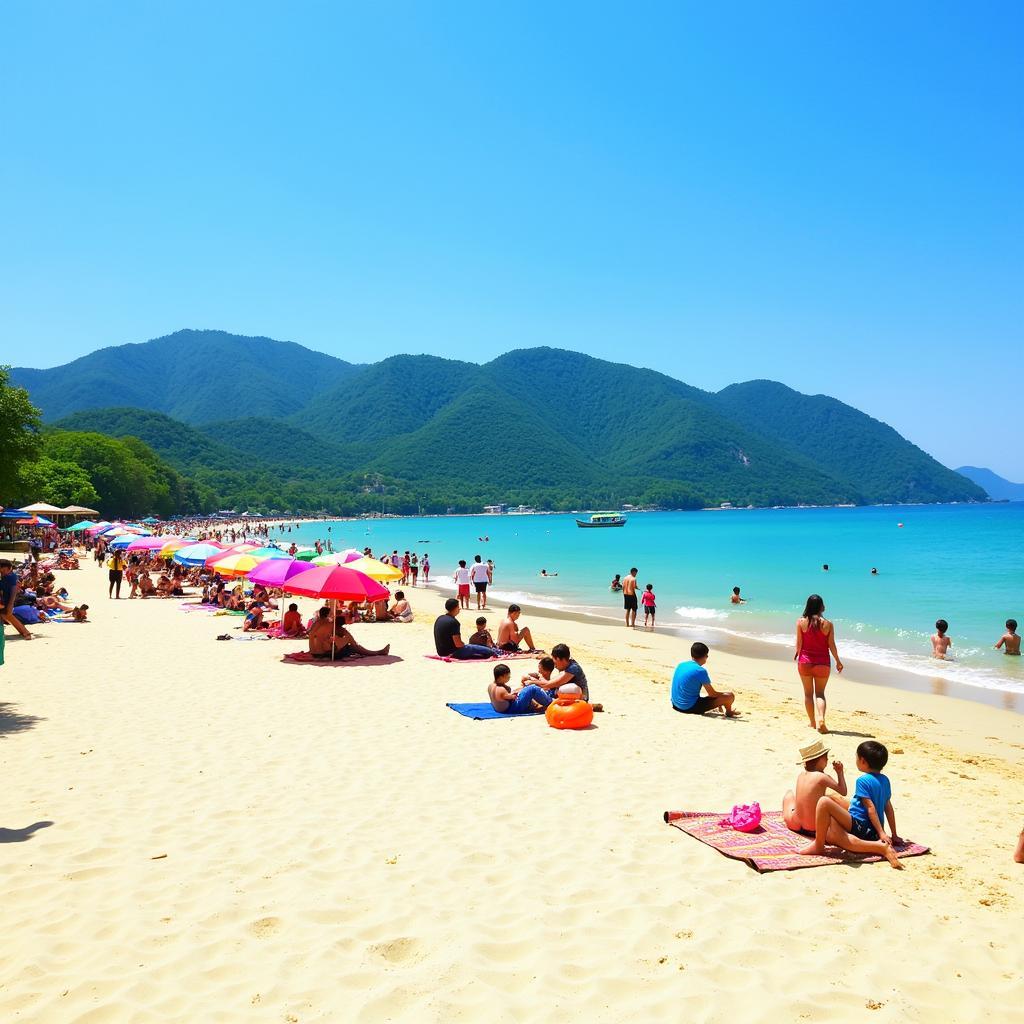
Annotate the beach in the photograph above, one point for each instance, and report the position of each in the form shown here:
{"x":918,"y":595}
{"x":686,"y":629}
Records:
{"x":196,"y":830}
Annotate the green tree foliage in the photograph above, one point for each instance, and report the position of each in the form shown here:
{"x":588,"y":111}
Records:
{"x":19,"y":426}
{"x":58,"y":482}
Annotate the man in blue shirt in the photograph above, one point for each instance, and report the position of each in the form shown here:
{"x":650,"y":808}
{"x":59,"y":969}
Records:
{"x":690,"y":678}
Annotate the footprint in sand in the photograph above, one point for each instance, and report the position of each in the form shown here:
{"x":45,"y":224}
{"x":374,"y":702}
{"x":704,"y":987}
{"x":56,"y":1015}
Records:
{"x":398,"y":951}
{"x":265,"y":927}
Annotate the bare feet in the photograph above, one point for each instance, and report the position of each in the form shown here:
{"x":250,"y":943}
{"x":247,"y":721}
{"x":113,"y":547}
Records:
{"x":823,"y":728}
{"x":812,"y":850}
{"x":733,"y":714}
{"x":890,"y":856}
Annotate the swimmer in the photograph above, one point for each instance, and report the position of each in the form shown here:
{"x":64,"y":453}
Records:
{"x":874,"y":571}
{"x":1010,"y":640}
{"x":544,"y":572}
{"x":824,"y":567}
{"x":940,"y":642}
{"x":736,"y":599}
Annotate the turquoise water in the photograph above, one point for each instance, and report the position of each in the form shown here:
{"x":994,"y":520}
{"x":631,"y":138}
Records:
{"x":963,"y":563}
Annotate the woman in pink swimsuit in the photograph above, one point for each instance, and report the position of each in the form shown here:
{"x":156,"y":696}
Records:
{"x":815,"y":639}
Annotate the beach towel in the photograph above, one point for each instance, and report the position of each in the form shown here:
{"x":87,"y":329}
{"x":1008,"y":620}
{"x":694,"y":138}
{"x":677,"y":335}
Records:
{"x":501,"y":656}
{"x":772,"y":847}
{"x":305,"y":658}
{"x":484,"y":712}
{"x":193,"y":606}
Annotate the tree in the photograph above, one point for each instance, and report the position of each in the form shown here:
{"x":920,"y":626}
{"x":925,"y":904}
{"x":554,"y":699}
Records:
{"x":57,"y":482}
{"x":19,"y":433}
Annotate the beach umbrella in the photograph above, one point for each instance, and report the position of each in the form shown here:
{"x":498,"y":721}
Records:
{"x":33,"y":521}
{"x":120,"y":543}
{"x":13,"y":513}
{"x":241,"y":563}
{"x":336,"y":582}
{"x":306,"y":555}
{"x":374,"y":569}
{"x":149,"y":520}
{"x":145,"y":543}
{"x":97,"y":528}
{"x":172,"y":544}
{"x":78,"y":527}
{"x":273,"y":572}
{"x":196,"y":554}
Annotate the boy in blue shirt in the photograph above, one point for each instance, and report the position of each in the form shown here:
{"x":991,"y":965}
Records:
{"x":690,"y":678}
{"x":859,"y":829}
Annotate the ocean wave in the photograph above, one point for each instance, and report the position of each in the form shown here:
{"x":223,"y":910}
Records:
{"x":701,"y":614}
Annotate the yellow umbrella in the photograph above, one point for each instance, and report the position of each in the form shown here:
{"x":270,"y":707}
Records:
{"x":172,"y":545}
{"x":375,"y":570}
{"x":240,"y":563}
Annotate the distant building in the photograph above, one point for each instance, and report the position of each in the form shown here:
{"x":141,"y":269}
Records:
{"x":495,"y":510}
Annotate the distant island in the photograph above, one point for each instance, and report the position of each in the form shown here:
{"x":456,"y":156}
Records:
{"x":997,"y":487}
{"x":230,"y":421}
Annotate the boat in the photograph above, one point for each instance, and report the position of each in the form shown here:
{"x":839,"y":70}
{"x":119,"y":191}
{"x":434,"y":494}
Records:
{"x":599,"y":519}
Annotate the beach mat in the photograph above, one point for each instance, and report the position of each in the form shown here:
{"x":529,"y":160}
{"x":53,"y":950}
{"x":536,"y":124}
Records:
{"x":504,"y":656}
{"x":772,"y":847}
{"x":485,"y":713}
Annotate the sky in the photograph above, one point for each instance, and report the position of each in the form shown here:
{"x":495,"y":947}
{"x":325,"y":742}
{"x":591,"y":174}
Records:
{"x":827,"y":195}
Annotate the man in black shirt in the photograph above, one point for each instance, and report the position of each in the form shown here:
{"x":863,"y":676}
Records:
{"x":448,"y":636}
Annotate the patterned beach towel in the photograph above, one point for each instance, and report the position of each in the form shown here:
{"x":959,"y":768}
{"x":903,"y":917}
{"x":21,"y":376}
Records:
{"x":772,"y":847}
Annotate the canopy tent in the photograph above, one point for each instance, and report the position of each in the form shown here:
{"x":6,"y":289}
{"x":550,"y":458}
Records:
{"x":42,"y":506}
{"x":79,"y":510}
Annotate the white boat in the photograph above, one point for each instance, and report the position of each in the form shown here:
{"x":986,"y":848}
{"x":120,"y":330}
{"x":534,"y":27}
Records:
{"x":602,"y":519}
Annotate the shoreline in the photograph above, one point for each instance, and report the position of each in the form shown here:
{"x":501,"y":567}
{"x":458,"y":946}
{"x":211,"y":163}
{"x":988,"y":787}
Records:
{"x":753,"y":648}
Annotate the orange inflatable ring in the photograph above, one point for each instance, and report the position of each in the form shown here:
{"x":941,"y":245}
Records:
{"x":569,"y":714}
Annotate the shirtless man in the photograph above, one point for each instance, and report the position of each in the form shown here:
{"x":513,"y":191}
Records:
{"x":736,"y":599}
{"x":510,"y":635}
{"x":1010,"y":640}
{"x":327,"y":643}
{"x":799,"y":807}
{"x":629,"y":601}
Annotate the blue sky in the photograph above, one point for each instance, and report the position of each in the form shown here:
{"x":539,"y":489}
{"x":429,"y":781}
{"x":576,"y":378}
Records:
{"x":826,"y":195}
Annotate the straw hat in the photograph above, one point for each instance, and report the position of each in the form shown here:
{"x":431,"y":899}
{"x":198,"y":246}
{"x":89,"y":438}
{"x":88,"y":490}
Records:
{"x":812,"y":751}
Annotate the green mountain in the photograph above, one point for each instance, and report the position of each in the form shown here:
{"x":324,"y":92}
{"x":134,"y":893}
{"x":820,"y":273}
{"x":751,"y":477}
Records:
{"x":284,"y":427}
{"x":880,"y":464}
{"x":194,"y":376}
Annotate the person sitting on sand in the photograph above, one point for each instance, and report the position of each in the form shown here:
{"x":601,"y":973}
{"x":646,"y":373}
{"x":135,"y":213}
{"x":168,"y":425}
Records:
{"x":571,"y":680}
{"x":401,"y":610}
{"x":542,"y":677}
{"x":448,"y":636}
{"x":510,"y":636}
{"x":736,"y":599}
{"x":482,"y":636}
{"x":291,"y":623}
{"x":147,"y":588}
{"x":940,"y":642}
{"x":526,"y":699}
{"x":1010,"y":641}
{"x":333,"y":642}
{"x":8,"y":594}
{"x":800,"y":806}
{"x":688,"y":680}
{"x":859,"y":829}
{"x":1018,"y":854}
{"x":253,"y":618}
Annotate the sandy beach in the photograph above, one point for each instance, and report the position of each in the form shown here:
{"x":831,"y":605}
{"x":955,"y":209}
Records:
{"x":195,"y":830}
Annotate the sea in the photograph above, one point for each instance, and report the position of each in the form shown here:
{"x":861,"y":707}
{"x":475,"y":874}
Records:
{"x":961,"y":563}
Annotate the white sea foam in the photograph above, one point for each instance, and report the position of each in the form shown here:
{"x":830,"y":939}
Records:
{"x":700,"y":614}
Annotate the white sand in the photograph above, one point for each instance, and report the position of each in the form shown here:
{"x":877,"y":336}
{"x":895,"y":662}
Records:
{"x":336,"y":845}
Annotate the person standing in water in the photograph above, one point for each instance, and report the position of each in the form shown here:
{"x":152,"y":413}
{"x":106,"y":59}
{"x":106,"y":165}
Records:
{"x":815,"y":640}
{"x":629,"y":602}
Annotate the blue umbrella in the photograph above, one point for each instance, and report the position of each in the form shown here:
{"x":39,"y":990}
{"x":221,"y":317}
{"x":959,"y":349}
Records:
{"x":14,"y":513}
{"x":196,"y":554}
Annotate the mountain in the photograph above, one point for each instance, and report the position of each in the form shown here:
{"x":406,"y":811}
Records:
{"x":280,"y":426}
{"x":998,"y":487}
{"x":880,"y":464}
{"x":194,"y":376}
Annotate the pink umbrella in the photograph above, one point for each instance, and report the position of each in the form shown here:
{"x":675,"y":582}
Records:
{"x":275,"y":572}
{"x":337,"y":583}
{"x":147,"y":544}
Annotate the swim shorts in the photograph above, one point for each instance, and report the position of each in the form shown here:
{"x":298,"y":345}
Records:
{"x":629,"y":602}
{"x":509,"y":647}
{"x":481,"y":588}
{"x":701,"y":705}
{"x":463,"y":590}
{"x":863,"y":830}
{"x":650,"y":609}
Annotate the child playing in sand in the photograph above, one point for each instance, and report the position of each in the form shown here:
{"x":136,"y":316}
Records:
{"x":649,"y":601}
{"x":542,"y":677}
{"x":800,"y":805}
{"x":482,"y":636}
{"x":1010,"y":641}
{"x":940,"y":642}
{"x":515,"y":702}
{"x":859,"y":829}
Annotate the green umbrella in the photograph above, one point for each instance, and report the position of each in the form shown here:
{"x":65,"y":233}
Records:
{"x":306,"y":556}
{"x":83,"y":525}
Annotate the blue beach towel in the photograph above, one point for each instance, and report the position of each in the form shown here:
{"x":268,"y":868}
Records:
{"x":484,"y":712}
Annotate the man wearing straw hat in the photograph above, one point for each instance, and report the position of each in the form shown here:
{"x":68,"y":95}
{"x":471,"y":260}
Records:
{"x":799,"y":805}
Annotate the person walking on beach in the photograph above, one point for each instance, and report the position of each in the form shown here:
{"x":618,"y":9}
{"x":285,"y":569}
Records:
{"x":8,"y":592}
{"x":115,"y":573}
{"x":650,"y":605}
{"x":629,"y":597}
{"x":461,"y":577}
{"x":480,"y":577}
{"x":815,"y":640}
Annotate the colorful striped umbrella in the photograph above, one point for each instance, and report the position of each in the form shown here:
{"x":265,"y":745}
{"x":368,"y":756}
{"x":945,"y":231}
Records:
{"x":196,"y":554}
{"x":336,"y":582}
{"x":273,"y":572}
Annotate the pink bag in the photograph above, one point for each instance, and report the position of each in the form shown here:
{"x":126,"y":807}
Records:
{"x":743,"y":818}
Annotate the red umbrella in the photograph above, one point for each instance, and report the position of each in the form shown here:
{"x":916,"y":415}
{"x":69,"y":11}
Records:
{"x":335,"y":582}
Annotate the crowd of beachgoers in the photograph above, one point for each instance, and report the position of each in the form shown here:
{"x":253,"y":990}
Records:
{"x":168,"y":564}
